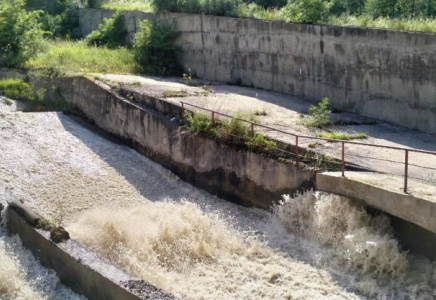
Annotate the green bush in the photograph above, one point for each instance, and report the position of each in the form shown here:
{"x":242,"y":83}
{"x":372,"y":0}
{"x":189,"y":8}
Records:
{"x":111,"y":34}
{"x":306,"y":11}
{"x":21,"y":36}
{"x":210,"y":7}
{"x":17,"y":89}
{"x":319,"y":115}
{"x":154,"y":49}
{"x":60,"y":18}
{"x":93,"y":3}
{"x":268,"y":3}
{"x":199,"y":122}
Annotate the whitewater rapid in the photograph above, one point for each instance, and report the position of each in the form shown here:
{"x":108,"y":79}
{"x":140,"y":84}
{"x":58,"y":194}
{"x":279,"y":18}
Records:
{"x":23,"y":278}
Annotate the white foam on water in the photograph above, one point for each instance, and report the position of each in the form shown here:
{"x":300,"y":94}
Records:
{"x":23,"y":278}
{"x":315,"y":246}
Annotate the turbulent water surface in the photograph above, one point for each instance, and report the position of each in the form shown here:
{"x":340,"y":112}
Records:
{"x":23,"y":278}
{"x":143,"y":218}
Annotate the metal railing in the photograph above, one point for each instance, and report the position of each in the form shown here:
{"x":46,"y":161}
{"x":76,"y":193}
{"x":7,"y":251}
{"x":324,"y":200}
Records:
{"x":297,"y":137}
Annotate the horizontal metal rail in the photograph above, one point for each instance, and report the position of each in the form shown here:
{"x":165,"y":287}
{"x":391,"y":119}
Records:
{"x":297,"y":137}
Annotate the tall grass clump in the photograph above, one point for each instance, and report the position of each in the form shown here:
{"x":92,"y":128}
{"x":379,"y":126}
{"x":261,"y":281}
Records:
{"x":112,"y":33}
{"x":306,"y":11}
{"x":154,"y":49}
{"x":318,"y":115}
{"x":77,"y":56}
{"x":21,"y":35}
{"x":17,"y":89}
{"x":209,"y":7}
{"x":141,"y":5}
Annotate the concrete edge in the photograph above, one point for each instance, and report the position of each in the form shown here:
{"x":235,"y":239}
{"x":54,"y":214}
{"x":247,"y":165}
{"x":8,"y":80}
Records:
{"x":409,"y":208}
{"x":79,"y":268}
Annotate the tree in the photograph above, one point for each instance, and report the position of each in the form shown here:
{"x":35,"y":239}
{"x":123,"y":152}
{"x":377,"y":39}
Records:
{"x":307,"y":11}
{"x":21,"y":35}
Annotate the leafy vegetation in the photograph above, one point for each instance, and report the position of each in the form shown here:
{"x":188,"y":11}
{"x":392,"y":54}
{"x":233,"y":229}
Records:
{"x":319,"y":115}
{"x":112,"y":33}
{"x":341,"y":136}
{"x":233,"y":131}
{"x":142,"y":5}
{"x":17,"y":89}
{"x":307,"y":11}
{"x":209,"y":7}
{"x":77,"y":56}
{"x":154,"y":50}
{"x":20,"y":33}
{"x":60,"y":18}
{"x":415,"y":15}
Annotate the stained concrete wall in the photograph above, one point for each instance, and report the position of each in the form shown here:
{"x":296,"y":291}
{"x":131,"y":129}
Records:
{"x":385,"y":74}
{"x":243,"y":177}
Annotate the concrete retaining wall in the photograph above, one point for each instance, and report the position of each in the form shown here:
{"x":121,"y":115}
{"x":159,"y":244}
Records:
{"x":243,"y":177}
{"x":384,"y":74}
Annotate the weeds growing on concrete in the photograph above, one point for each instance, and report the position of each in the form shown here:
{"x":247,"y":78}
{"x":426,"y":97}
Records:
{"x":175,"y":94}
{"x":341,"y":136}
{"x":319,"y":115}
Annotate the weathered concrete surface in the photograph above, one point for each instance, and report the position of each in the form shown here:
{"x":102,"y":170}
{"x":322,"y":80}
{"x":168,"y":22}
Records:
{"x":385,"y":74}
{"x":419,"y":214}
{"x":79,"y":268}
{"x":240,"y":176}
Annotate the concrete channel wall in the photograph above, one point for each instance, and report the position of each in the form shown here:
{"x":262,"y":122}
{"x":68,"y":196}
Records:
{"x":385,"y":74}
{"x":240,"y":176}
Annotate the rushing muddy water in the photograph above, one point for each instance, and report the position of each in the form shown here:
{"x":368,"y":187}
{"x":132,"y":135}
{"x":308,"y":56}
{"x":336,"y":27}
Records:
{"x":146,"y":220}
{"x":316,"y":246}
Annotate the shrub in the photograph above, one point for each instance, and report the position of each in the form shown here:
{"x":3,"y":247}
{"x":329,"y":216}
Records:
{"x":210,"y":7}
{"x":20,"y":33}
{"x":17,"y":89}
{"x":93,"y":3}
{"x":199,"y":122}
{"x":111,"y":34}
{"x":268,"y":3}
{"x":319,"y":115}
{"x":154,"y":50}
{"x":60,"y":18}
{"x":306,"y":11}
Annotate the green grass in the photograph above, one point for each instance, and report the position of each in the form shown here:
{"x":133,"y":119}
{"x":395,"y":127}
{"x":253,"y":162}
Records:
{"x":77,"y":56}
{"x":416,"y":24}
{"x":341,"y":136}
{"x":175,"y":94}
{"x":17,"y":89}
{"x":141,"y":5}
{"x":8,"y":101}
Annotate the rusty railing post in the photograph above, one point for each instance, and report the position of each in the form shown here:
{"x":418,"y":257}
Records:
{"x":406,"y":171}
{"x":296,"y":148}
{"x":182,"y":113}
{"x":343,"y":159}
{"x":252,"y":129}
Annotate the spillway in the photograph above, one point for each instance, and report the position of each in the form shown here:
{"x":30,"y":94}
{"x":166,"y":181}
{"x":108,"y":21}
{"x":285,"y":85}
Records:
{"x":195,"y":245}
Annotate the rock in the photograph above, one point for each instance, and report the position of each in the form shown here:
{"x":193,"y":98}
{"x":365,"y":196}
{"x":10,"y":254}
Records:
{"x":59,"y":235}
{"x":1,"y":207}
